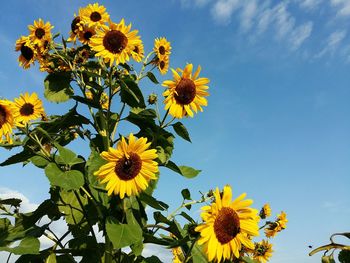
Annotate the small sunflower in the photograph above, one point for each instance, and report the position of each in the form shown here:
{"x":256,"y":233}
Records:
{"x":265,"y":211}
{"x":137,"y":52}
{"x":162,"y":47}
{"x":39,"y":32}
{"x":115,"y":43}
{"x":104,"y":100}
{"x":185,"y":93}
{"x":28,"y":53}
{"x":6,"y":120}
{"x":263,"y":251}
{"x":76,"y":27}
{"x":178,"y":255}
{"x":94,"y":15}
{"x":86,"y":34}
{"x":26,"y":108}
{"x":274,"y":227}
{"x":163,"y":64}
{"x":227,"y":226}
{"x":130,"y":167}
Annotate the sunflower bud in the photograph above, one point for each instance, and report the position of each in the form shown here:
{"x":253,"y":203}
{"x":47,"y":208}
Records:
{"x":152,"y":98}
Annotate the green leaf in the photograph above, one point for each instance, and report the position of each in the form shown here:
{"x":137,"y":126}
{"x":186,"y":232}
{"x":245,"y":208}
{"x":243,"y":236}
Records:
{"x":131,"y":94}
{"x":28,"y":245}
{"x":67,"y":156}
{"x":70,"y":207}
{"x":10,"y":201}
{"x":68,"y":180}
{"x":151,"y":201}
{"x":152,"y":259}
{"x":328,"y":259}
{"x":153,"y":78}
{"x":57,"y":87}
{"x":181,"y":130}
{"x":51,"y":258}
{"x":186,"y":194}
{"x":172,"y":166}
{"x":189,"y":172}
{"x":18,"y":158}
{"x":344,"y":256}
{"x":198,"y":254}
{"x":123,"y":235}
{"x":39,"y":161}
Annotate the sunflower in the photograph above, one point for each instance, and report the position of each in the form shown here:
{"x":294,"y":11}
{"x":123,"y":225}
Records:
{"x":6,"y":120}
{"x":162,"y":47}
{"x":85,"y":34}
{"x":28,"y":53}
{"x":227,"y":225}
{"x":162,"y":64}
{"x":178,"y":255}
{"x":26,"y":108}
{"x":130,"y":167}
{"x":115,"y":42}
{"x":94,"y":15}
{"x":262,"y":251}
{"x":185,"y":93}
{"x":274,"y":227}
{"x":39,"y":32}
{"x":76,"y":27}
{"x":104,"y":100}
{"x":265,"y":211}
{"x":137,"y":52}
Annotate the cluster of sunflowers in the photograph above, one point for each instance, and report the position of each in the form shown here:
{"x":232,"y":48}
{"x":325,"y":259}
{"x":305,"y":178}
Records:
{"x":129,"y":169}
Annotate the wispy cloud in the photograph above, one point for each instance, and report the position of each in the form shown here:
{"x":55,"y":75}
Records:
{"x":223,"y":10}
{"x":343,"y":7}
{"x":332,"y":43}
{"x":309,"y":4}
{"x":300,"y":34}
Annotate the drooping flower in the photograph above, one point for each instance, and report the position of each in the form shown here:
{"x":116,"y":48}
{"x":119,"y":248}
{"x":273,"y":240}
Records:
{"x":227,"y":225}
{"x":178,"y":255}
{"x":138,"y":52}
{"x":265,"y":211}
{"x":40,"y":32}
{"x":6,"y":120}
{"x":28,"y":53}
{"x":274,"y":227}
{"x":186,"y":93}
{"x":262,"y":251}
{"x":130,"y":167}
{"x":104,"y":100}
{"x":115,"y":43}
{"x":76,"y":27}
{"x":163,"y":64}
{"x":26,"y":108}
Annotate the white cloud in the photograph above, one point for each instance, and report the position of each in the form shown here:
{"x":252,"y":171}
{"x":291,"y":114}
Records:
{"x":249,"y":11}
{"x":223,"y":9}
{"x":284,"y":20}
{"x":26,"y":205}
{"x":309,"y":4}
{"x":300,"y":34}
{"x":333,"y":43}
{"x":343,"y":7}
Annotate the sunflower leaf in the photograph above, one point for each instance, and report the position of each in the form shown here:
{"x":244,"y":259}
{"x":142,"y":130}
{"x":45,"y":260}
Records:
{"x":68,"y":180}
{"x":57,"y":87}
{"x":153,"y":78}
{"x":189,"y":172}
{"x":28,"y":245}
{"x":181,"y":130}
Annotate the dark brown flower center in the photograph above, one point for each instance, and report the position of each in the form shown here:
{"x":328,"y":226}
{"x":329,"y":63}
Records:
{"x":226,"y":225}
{"x":162,"y":50}
{"x":87,"y":35}
{"x":136,"y":49}
{"x":186,"y":91}
{"x":39,"y":33}
{"x":128,"y":168}
{"x":162,"y":64}
{"x":115,"y":41}
{"x":74,"y":24}
{"x":2,"y":116}
{"x":261,"y":250}
{"x":27,"y":109}
{"x":95,"y":16}
{"x":27,"y":52}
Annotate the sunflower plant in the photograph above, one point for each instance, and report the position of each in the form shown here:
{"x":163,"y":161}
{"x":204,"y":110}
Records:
{"x":102,"y":196}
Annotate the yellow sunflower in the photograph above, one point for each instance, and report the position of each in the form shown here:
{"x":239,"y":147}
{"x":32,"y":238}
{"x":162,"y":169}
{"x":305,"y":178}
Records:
{"x":104,"y":100}
{"x":265,"y":211}
{"x":178,"y":255}
{"x":274,"y":227}
{"x":76,"y":27}
{"x":263,"y":251}
{"x":137,"y":52}
{"x":86,"y":34}
{"x":6,"y":120}
{"x":94,"y":15}
{"x":162,"y":47}
{"x":115,"y":42}
{"x":163,"y":64}
{"x":185,"y":93}
{"x":26,"y":108}
{"x":28,"y":53}
{"x":227,"y":225}
{"x":130,"y":167}
{"x":39,"y":32}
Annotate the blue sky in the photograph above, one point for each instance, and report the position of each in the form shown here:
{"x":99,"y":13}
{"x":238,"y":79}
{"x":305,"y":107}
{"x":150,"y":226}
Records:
{"x":277,"y":125}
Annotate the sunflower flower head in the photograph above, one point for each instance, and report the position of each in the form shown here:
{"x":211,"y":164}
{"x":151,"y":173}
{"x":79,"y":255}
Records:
{"x":162,"y":47}
{"x":85,"y":34}
{"x":137,"y":52}
{"x":76,"y":26}
{"x":178,"y":255}
{"x":26,"y":108}
{"x":162,"y":64}
{"x":40,"y":32}
{"x":274,"y":227}
{"x":94,"y":15}
{"x":6,"y":120}
{"x":27,"y":52}
{"x":265,"y":211}
{"x":227,"y":226}
{"x":262,"y":251}
{"x":115,"y":43}
{"x":186,"y":93}
{"x":130,"y":167}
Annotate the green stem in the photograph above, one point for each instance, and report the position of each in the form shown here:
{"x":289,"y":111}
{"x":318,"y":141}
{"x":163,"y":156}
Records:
{"x":164,"y":118}
{"x":117,"y":122}
{"x":190,"y":250}
{"x":328,"y":247}
{"x":108,"y":251}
